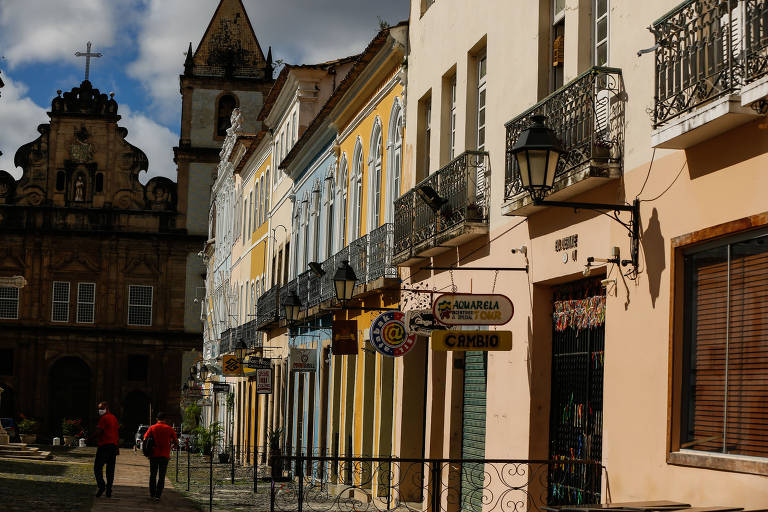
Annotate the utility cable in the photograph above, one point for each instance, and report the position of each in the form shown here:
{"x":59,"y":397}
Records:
{"x":650,"y":166}
{"x":669,"y":187}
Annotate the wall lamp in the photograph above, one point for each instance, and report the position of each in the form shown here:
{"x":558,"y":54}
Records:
{"x":538,"y":152}
{"x":430,"y":196}
{"x":344,"y":281}
{"x":292,"y":306}
{"x":316,"y":268}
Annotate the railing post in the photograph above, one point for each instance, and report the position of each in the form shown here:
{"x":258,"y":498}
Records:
{"x":435,"y":470}
{"x":255,"y":468}
{"x":301,"y":482}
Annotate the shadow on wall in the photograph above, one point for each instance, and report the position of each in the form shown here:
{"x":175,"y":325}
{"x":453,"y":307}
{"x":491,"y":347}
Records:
{"x":653,"y":254}
{"x":709,"y":156}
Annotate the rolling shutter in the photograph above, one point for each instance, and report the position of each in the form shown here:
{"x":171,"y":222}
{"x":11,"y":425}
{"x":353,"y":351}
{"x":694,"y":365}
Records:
{"x":473,"y":429}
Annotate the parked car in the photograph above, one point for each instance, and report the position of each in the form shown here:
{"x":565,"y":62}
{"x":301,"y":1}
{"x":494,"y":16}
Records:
{"x":10,"y":426}
{"x":139,"y":440}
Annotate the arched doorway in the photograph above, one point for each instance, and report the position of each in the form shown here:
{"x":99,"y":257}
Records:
{"x":69,"y":396}
{"x":136,"y":411}
{"x":7,"y":402}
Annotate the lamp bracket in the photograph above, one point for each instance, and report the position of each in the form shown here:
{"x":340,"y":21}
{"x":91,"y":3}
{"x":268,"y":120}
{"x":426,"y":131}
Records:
{"x":633,"y":226}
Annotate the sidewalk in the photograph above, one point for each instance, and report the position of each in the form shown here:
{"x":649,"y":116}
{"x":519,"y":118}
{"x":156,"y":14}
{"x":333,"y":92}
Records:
{"x":130,"y":492}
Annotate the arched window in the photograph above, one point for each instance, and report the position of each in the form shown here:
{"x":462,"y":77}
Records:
{"x":296,"y":252}
{"x":99,"y":186}
{"x":256,"y":205}
{"x":329,"y":220}
{"x":61,"y":180}
{"x":374,"y":177}
{"x":266,"y":199}
{"x":227,"y":104}
{"x":356,"y":189}
{"x":394,"y":159}
{"x":261,"y":202}
{"x":341,"y":201}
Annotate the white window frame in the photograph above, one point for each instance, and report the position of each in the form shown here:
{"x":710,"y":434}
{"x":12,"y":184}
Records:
{"x":482,"y":62}
{"x":329,"y":214}
{"x":452,"y":116}
{"x":54,"y":301}
{"x":394,"y":158}
{"x":356,"y":186}
{"x":598,"y":17}
{"x":9,"y":301}
{"x":266,"y":198}
{"x":375,"y":160}
{"x":150,"y":305}
{"x":427,"y":134}
{"x":342,"y":193}
{"x":295,"y":133}
{"x":85,"y":303}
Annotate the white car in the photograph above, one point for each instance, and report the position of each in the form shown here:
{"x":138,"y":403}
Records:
{"x":140,"y":436}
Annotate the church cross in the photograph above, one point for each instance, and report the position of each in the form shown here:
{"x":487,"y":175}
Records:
{"x":88,"y":56}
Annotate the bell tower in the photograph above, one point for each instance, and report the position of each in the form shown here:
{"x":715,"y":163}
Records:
{"x":227,"y":70}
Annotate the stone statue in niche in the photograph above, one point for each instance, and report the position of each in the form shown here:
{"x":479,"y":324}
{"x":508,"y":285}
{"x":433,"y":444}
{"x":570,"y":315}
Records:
{"x":79,"y":190}
{"x":161,"y":194}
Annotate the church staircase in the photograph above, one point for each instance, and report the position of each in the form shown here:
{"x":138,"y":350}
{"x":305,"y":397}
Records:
{"x":23,"y":451}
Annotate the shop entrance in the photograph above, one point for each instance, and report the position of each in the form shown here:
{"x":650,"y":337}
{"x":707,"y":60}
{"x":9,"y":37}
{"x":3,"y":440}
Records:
{"x":576,"y":409}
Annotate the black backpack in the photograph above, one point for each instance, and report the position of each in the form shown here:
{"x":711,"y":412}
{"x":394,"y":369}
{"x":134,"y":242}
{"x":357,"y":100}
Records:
{"x":148,"y":445}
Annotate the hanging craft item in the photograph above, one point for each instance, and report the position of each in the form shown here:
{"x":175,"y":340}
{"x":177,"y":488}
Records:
{"x":579,"y":313}
{"x":388,"y":334}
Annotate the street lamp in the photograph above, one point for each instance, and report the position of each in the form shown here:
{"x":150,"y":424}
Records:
{"x":292,"y":307}
{"x":240,"y":349}
{"x":537,"y":152}
{"x":344,"y":281}
{"x":203,"y":373}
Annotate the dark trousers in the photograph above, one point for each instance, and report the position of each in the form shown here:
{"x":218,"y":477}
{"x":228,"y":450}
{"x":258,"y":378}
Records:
{"x":105,"y":455}
{"x":157,"y":469}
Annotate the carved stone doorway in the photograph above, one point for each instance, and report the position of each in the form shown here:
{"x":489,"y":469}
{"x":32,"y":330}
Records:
{"x":69,"y":395}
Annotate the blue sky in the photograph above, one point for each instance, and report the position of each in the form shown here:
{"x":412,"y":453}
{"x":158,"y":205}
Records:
{"x":143,"y":42}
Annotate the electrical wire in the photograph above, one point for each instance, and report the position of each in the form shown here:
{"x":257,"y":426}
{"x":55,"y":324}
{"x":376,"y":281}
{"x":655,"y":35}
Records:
{"x":650,"y":166}
{"x":669,"y":187}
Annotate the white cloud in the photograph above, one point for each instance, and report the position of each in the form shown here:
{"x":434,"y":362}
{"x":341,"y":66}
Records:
{"x":154,"y":139}
{"x":46,"y":31}
{"x":19,"y":118}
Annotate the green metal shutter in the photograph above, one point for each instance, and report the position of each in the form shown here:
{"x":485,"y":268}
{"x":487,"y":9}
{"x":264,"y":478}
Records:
{"x":473,"y":429}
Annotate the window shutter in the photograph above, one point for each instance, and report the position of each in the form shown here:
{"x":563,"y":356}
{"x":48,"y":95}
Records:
{"x":558,"y":51}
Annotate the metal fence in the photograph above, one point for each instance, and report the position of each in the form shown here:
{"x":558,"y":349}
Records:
{"x":267,"y":310}
{"x":321,"y":483}
{"x":755,"y":39}
{"x":587,"y":115}
{"x":380,"y":253}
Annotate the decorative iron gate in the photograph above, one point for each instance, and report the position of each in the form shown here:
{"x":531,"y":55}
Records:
{"x":576,"y":413}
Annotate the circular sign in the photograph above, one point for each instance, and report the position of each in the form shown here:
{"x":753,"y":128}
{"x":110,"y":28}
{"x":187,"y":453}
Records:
{"x":388,"y":334}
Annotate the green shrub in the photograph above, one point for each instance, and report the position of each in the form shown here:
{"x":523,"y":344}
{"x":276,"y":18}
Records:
{"x":27,"y":426}
{"x":70,"y":427}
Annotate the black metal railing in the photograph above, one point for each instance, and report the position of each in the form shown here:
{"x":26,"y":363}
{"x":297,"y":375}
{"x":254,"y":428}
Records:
{"x":285,"y":290}
{"x":380,"y":253}
{"x":251,"y":335}
{"x":267,"y":309}
{"x":587,"y":114}
{"x":327,"y":289}
{"x":698,"y":56}
{"x":755,"y":39}
{"x":226,"y":342}
{"x":358,"y":258}
{"x":302,"y":288}
{"x":322,"y":483}
{"x":464,"y":184}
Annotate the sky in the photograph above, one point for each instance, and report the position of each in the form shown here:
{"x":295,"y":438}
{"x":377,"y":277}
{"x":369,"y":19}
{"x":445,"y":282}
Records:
{"x":143,"y":43}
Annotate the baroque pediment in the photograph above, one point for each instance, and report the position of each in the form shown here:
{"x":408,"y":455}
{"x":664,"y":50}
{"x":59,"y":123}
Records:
{"x":141,"y":266}
{"x":9,"y":261}
{"x":76,"y":262}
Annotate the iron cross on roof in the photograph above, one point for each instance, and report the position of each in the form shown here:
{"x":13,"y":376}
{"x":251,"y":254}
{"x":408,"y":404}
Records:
{"x":88,"y":56}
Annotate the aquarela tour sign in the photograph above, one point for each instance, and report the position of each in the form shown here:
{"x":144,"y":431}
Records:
{"x":472,"y":309}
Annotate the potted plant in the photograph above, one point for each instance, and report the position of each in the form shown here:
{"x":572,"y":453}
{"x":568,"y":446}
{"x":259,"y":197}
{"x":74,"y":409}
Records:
{"x":207,"y":436}
{"x":28,"y":431}
{"x":69,"y":428}
{"x":275,"y":463}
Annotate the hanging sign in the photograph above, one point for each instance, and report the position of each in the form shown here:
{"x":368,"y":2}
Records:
{"x":253,"y":363}
{"x":344,"y":339}
{"x":220,"y":387}
{"x":472,"y":309}
{"x":264,"y":381}
{"x":421,"y":321}
{"x":462,"y":341}
{"x":302,"y":359}
{"x":230,"y":365}
{"x":389,"y":336}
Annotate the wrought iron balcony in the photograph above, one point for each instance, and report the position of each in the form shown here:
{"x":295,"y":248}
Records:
{"x":358,"y":258}
{"x":267,"y":310}
{"x":285,"y":291}
{"x":755,"y":39}
{"x":380,"y":242}
{"x":464,"y":185}
{"x":587,"y":114}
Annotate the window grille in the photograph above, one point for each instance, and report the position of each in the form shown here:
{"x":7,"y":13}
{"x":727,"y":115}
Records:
{"x":9,"y":303}
{"x":86,"y":300}
{"x":60,"y":308}
{"x":139,"y":305}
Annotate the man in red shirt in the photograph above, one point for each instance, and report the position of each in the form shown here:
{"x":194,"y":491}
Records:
{"x":164,"y":437}
{"x":107,"y":439}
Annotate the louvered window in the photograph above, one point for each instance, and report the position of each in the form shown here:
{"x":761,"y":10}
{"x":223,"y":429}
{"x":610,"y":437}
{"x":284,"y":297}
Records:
{"x":60,"y":308}
{"x":139,"y":305}
{"x":725,"y":385}
{"x":86,"y":300}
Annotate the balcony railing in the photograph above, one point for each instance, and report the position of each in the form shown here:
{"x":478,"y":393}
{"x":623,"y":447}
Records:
{"x":267,"y":310}
{"x":380,"y":253}
{"x":587,"y":114}
{"x":755,"y":39}
{"x":465,"y":185}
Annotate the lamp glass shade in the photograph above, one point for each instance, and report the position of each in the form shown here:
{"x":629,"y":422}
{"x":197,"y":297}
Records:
{"x":292,"y":307}
{"x":537,"y":152}
{"x":240,"y":349}
{"x":344,"y":281}
{"x":203,"y":373}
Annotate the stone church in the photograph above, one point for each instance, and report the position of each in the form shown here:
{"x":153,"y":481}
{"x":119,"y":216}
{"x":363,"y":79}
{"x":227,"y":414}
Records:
{"x":110,"y":308}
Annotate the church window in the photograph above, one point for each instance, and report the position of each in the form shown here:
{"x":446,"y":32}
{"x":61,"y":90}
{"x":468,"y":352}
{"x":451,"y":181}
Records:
{"x":60,"y":309}
{"x":86,"y":300}
{"x":6,"y":360}
{"x":137,"y":366}
{"x":99,"y":184}
{"x":139,"y":305}
{"x":9,"y":303}
{"x":227,"y":104}
{"x":61,"y":180}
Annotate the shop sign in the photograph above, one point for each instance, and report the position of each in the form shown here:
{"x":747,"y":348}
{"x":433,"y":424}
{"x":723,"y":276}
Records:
{"x":264,"y":381}
{"x":257,"y":363}
{"x":472,"y":309}
{"x":194,"y":392}
{"x":230,"y":365}
{"x":421,"y":322}
{"x":302,"y":359}
{"x":389,"y":336}
{"x":462,"y":341}
{"x":220,"y":387}
{"x":344,"y":338}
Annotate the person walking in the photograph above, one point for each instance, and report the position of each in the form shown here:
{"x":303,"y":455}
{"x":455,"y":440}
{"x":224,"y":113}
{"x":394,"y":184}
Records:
{"x":164,"y":436}
{"x":107,"y":439}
